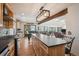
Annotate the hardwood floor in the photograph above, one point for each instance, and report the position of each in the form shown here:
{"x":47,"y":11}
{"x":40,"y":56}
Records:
{"x":25,"y":47}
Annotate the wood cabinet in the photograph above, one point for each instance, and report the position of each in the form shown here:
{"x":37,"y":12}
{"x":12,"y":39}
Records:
{"x":10,"y":7}
{"x":1,"y":11}
{"x":1,"y":14}
{"x":10,"y":24}
{"x":43,"y":50}
{"x":11,"y":49}
{"x":36,"y":46}
{"x":8,"y":17}
{"x":5,"y":24}
{"x":6,"y":21}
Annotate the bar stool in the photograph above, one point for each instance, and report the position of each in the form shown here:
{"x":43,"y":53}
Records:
{"x":69,"y":46}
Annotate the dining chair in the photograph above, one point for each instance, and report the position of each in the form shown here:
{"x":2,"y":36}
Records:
{"x":58,"y":35}
{"x":69,"y":46}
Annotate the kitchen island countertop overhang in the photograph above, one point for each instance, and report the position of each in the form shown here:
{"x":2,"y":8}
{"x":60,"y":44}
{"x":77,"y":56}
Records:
{"x":50,"y":41}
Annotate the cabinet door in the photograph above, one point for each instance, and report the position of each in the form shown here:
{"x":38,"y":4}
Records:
{"x":10,"y":24}
{"x":6,"y":24}
{"x":36,"y":46}
{"x":11,"y":48}
{"x":0,"y":11}
{"x":43,"y":52}
{"x":1,"y":14}
{"x":43,"y":49}
{"x":10,"y":7}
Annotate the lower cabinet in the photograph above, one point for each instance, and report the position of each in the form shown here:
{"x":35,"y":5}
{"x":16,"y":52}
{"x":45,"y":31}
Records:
{"x":42,"y":50}
{"x":11,"y":49}
{"x":38,"y":47}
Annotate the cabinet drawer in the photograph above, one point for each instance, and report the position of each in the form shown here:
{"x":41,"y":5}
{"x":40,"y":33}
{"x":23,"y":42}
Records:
{"x":44,"y":47}
{"x":43,"y":52}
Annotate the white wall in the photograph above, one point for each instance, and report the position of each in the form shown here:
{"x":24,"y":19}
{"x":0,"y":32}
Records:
{"x":72,"y":24}
{"x":22,"y":28}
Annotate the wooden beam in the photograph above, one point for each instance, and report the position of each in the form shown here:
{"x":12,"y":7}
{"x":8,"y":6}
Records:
{"x":61,"y":13}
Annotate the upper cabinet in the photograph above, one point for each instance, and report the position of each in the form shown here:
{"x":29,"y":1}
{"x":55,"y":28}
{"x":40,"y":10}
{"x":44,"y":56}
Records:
{"x":1,"y":15}
{"x":8,"y":10}
{"x":8,"y":15}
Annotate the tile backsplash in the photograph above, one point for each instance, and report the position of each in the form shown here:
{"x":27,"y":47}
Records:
{"x":5,"y":32}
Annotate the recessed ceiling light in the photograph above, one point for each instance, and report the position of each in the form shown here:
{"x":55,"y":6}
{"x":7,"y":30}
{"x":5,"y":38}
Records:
{"x":22,"y":14}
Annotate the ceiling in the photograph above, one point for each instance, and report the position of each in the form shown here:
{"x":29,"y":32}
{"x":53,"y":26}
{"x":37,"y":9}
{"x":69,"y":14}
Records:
{"x":27,"y":12}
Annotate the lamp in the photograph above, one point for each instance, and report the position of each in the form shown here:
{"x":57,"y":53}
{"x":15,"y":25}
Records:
{"x":43,"y":14}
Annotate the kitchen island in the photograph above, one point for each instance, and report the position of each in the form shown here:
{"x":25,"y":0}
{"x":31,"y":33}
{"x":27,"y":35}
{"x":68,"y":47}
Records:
{"x":48,"y":46}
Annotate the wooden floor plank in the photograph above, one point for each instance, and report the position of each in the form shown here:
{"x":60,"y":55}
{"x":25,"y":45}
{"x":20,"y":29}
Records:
{"x":25,"y":48}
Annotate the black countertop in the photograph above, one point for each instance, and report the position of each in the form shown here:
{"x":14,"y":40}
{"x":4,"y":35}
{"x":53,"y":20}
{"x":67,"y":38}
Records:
{"x":50,"y":41}
{"x":4,"y":41}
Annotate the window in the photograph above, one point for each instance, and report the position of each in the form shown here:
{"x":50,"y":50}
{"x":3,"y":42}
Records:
{"x":32,"y":28}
